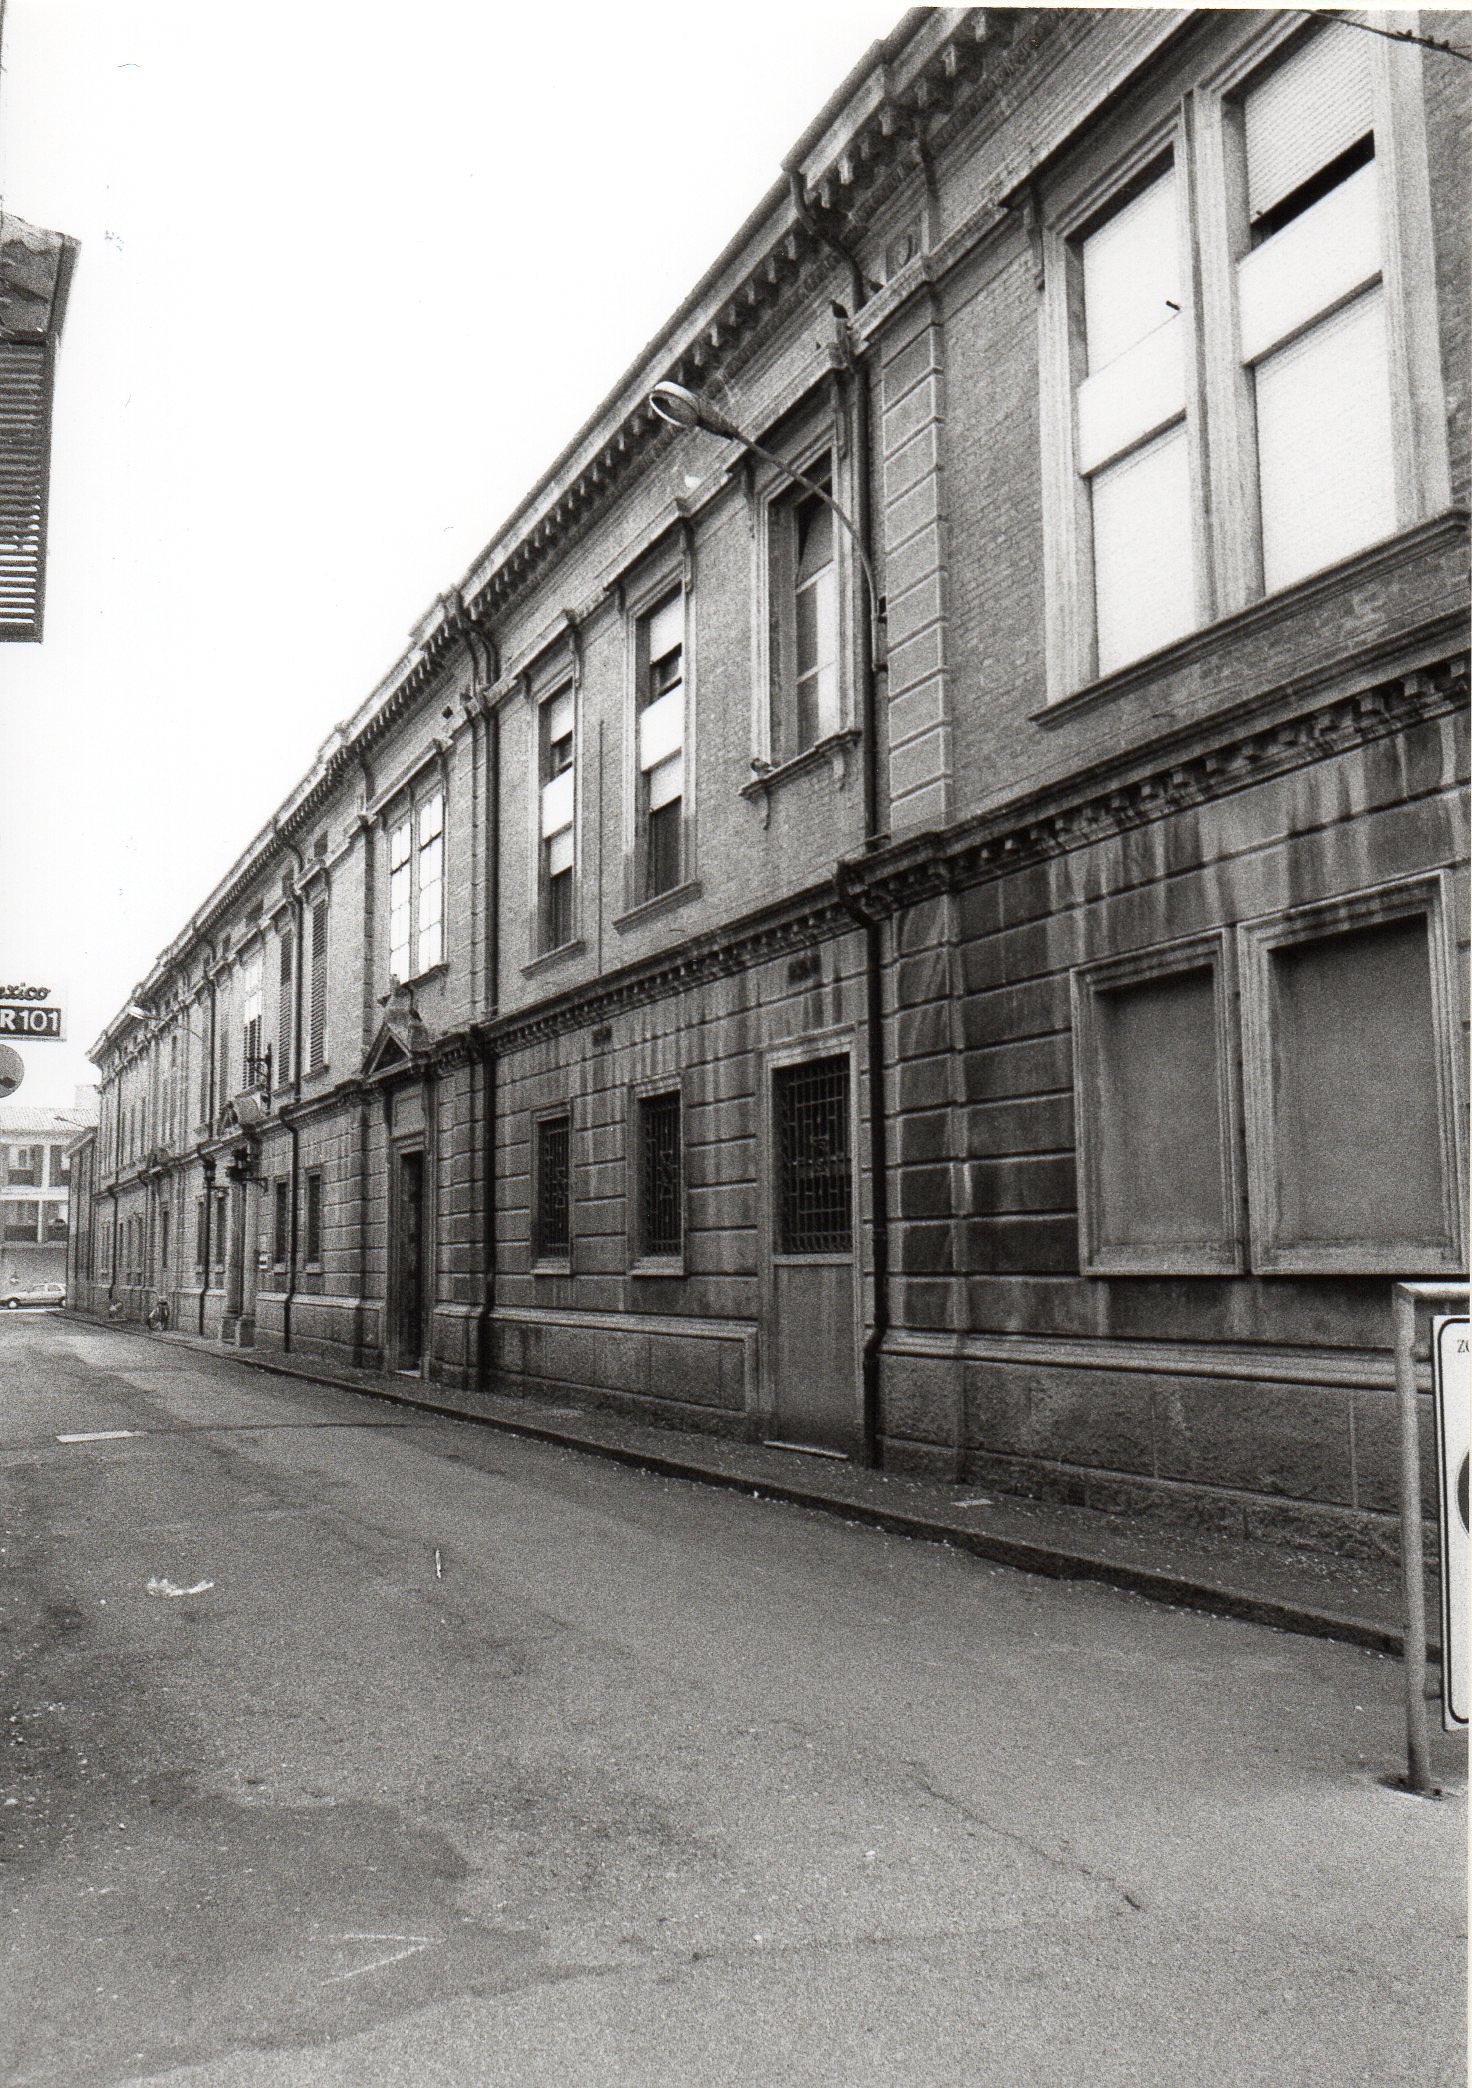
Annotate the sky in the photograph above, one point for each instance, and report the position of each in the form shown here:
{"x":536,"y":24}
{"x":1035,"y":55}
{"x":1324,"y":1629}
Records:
{"x":351,"y":275}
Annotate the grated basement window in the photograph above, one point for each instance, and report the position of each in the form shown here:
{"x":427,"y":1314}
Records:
{"x":814,"y":1169}
{"x":660,"y":1217}
{"x":554,"y":1228}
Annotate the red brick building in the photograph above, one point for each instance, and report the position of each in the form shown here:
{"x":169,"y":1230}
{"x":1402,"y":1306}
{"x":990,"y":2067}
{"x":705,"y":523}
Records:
{"x":1017,"y":1032}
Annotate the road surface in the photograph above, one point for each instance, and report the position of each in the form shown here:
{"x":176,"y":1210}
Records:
{"x":353,"y":1747}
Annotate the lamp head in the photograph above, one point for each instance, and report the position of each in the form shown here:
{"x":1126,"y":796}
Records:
{"x":683,"y":408}
{"x":138,"y":1012}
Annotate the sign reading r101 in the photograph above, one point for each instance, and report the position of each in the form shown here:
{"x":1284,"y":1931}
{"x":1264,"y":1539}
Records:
{"x":30,"y":1021}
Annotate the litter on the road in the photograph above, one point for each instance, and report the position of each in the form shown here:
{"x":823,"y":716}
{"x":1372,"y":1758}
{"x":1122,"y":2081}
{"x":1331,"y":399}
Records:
{"x":158,"y":1586}
{"x":99,"y":1435}
{"x":438,"y":1572}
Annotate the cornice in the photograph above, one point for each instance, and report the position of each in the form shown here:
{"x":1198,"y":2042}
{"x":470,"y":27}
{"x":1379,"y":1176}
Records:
{"x":1127,"y":792}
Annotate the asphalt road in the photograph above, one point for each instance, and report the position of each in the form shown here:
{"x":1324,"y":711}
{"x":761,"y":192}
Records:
{"x":464,"y":1760}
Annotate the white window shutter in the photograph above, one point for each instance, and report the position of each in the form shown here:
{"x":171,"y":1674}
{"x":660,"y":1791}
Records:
{"x":557,"y":804}
{"x":1140,"y":391}
{"x":559,"y":852}
{"x":1325,"y":254}
{"x":1144,"y":591}
{"x":1307,"y":110}
{"x":1131,"y":271}
{"x":661,"y":728}
{"x":667,"y":627}
{"x":1325,"y":465}
{"x":559,"y":716}
{"x":667,"y":781}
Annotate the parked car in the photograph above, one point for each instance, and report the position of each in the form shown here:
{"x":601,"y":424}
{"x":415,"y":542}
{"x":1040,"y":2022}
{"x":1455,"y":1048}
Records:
{"x":33,"y":1294}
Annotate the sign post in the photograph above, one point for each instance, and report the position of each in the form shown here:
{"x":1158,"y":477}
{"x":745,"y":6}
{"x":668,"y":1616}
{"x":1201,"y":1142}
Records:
{"x":1412,"y":1543}
{"x":1451,"y":1358}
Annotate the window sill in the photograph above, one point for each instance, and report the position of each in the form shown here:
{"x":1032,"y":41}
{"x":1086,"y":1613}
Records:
{"x":552,"y":1265}
{"x":550,"y":957}
{"x":431,"y":971}
{"x":677,"y":895}
{"x":657,"y":1265}
{"x":836,"y":750}
{"x":1273,"y":609}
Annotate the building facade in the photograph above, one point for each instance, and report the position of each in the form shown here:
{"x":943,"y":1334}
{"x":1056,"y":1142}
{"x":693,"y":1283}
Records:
{"x":35,"y":275}
{"x":1005,"y":1019}
{"x":35,"y":1191}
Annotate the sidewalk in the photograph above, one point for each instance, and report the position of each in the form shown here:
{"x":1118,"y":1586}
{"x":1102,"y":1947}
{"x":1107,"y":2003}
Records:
{"x":1359,"y":1601}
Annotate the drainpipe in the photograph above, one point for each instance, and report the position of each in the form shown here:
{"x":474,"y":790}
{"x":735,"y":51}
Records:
{"x":208,"y":1165}
{"x":293,"y":1130}
{"x":485,"y":668}
{"x":871,"y":667}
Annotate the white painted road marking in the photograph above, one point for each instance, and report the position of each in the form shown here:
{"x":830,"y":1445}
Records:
{"x":416,"y":1944}
{"x":100,"y":1435}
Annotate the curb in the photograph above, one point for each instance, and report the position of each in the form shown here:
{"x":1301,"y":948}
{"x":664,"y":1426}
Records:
{"x":1053,"y":1562}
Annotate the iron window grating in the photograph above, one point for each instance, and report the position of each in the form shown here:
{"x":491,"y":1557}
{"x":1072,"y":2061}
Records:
{"x":661,"y":1175}
{"x":814,"y":1165}
{"x":554,"y":1201}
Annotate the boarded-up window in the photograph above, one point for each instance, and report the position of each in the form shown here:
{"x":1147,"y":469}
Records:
{"x":1351,"y":1147}
{"x":1157,"y":1191}
{"x":25,"y":420}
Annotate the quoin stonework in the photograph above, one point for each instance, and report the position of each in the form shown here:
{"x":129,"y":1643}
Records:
{"x":1005,"y":1024}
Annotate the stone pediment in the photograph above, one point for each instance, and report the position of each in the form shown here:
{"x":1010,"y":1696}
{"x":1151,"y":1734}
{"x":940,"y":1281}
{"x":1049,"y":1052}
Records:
{"x":401,"y":1041}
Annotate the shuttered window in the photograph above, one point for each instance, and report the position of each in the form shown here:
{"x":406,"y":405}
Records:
{"x":25,"y":419}
{"x":1130,"y":413}
{"x":285,"y":1002}
{"x":317,"y":1033}
{"x":1311,"y":309}
{"x":558,"y":803}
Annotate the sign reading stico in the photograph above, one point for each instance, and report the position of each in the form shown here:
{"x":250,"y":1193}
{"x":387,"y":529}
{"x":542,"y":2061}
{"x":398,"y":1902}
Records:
{"x":28,"y":1016}
{"x":1451,"y":1357}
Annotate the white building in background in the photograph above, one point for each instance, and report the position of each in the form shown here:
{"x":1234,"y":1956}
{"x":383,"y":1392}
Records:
{"x":34,"y":1188}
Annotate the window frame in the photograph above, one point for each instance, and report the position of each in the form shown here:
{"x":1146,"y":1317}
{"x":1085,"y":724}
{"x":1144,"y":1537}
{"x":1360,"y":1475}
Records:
{"x":643,"y":1260}
{"x":407,"y":811}
{"x":837,"y":1044}
{"x":562,"y":681}
{"x":1198,"y":127}
{"x":1272,"y":1252}
{"x":313,"y":1219}
{"x":669,"y":583}
{"x":542,"y":1261}
{"x":821,"y":439}
{"x":1211,"y":951}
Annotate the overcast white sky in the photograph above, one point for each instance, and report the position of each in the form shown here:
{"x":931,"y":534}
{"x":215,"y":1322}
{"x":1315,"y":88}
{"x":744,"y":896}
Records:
{"x":350,"y":276}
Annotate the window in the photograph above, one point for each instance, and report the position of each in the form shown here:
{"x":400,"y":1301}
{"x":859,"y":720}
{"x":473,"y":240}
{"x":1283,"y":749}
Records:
{"x":659,"y":1222}
{"x":1352,"y":1151}
{"x":660,"y":668}
{"x":552,"y":1190}
{"x":555,"y":725}
{"x":313,"y":1186}
{"x":317,"y":1025}
{"x":24,"y":1170}
{"x":804,"y":622}
{"x":251,"y":1068}
{"x":1131,"y":418}
{"x":416,"y":887}
{"x":163,"y":1235}
{"x":1242,"y":381}
{"x":217,"y":1235}
{"x":810,"y":1109}
{"x":1311,"y":308}
{"x":1344,"y":1058}
{"x":280,"y":1222}
{"x":285,"y":1003}
{"x":60,"y":1167}
{"x":199,"y":1227}
{"x":1157,"y":1126}
{"x":22,"y":1218}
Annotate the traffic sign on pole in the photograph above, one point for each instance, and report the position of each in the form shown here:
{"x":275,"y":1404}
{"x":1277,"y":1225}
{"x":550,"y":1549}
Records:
{"x":1451,"y":1355}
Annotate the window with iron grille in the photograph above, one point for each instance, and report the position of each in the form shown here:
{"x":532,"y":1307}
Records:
{"x":553,"y":1228}
{"x":280,"y":1222}
{"x":317,"y":1037}
{"x":217,"y":1238}
{"x":661,"y":1175}
{"x":199,"y":1225}
{"x":314,"y":1218}
{"x":810,"y":1109}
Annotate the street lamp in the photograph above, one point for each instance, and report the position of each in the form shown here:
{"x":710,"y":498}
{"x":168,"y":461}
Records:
{"x":683,"y":408}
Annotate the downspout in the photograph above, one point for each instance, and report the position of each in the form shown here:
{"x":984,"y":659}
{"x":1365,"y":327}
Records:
{"x":293,"y":1131}
{"x":207,"y":1164}
{"x":484,"y":672}
{"x":871,"y":667}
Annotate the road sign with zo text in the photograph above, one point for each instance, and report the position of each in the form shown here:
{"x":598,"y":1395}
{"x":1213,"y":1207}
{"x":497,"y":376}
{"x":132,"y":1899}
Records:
{"x":1451,"y":1355}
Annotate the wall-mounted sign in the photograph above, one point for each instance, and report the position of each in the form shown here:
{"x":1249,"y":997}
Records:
{"x":31,"y":1020}
{"x":12,"y":1070}
{"x":1451,"y":1357}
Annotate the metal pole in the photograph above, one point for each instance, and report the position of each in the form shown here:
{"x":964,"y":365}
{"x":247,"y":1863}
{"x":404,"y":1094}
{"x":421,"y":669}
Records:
{"x":1418,"y":1764}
